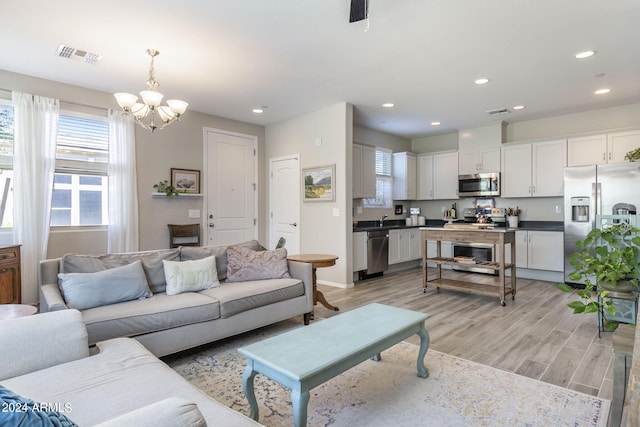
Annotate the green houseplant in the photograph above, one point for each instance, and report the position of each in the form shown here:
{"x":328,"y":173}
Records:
{"x":166,"y":188}
{"x":607,"y":260}
{"x":633,"y":155}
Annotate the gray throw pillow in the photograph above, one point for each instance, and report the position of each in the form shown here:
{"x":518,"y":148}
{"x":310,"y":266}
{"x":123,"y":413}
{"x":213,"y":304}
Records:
{"x":244,"y":264}
{"x":88,"y":290}
{"x":188,"y":253}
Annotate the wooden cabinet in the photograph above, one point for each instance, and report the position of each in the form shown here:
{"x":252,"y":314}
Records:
{"x":10,"y":284}
{"x":539,"y":250}
{"x":404,"y":245}
{"x":534,"y":169}
{"x":601,"y":149}
{"x":404,"y":176}
{"x":364,"y":172}
{"x":438,"y":176}
{"x":359,"y":251}
{"x":487,"y":160}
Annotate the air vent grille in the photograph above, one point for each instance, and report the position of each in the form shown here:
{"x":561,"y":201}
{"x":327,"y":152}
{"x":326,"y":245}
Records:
{"x":498,"y":111}
{"x":78,"y":55}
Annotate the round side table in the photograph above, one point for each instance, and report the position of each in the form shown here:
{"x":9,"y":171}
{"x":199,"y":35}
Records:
{"x":11,"y":311}
{"x":317,"y":261}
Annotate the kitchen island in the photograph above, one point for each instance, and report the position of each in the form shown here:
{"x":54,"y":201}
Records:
{"x":499,"y":237}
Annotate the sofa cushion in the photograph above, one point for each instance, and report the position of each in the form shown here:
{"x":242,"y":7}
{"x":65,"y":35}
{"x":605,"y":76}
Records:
{"x":87,"y":290}
{"x":190,"y":276}
{"x":220,"y":252}
{"x":160,"y":312}
{"x":239,"y":297}
{"x":151,"y":263}
{"x":244,"y":264}
{"x":170,"y":412}
{"x":20,"y":411}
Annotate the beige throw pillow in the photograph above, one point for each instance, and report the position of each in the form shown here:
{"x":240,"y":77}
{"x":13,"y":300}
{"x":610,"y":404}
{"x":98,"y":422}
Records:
{"x":190,"y":276}
{"x":244,"y":264}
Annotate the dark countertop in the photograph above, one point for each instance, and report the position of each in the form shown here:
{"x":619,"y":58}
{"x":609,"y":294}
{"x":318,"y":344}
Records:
{"x":394,"y":224}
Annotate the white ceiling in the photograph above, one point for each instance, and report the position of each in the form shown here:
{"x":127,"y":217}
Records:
{"x":226,"y":57}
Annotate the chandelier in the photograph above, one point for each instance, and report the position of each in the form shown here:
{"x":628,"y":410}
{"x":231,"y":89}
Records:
{"x":147,"y":112}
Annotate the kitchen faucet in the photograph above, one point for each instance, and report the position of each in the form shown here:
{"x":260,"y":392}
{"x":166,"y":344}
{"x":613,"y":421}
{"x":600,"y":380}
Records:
{"x":382,"y":220}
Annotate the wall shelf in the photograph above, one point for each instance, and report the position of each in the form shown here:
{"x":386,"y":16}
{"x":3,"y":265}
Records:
{"x":181,"y":195}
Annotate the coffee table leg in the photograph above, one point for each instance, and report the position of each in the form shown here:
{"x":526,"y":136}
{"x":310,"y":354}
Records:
{"x":423,"y":372}
{"x":299,"y":401}
{"x":247,"y":386}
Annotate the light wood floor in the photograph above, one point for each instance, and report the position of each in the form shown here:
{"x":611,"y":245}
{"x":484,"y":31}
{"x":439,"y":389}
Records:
{"x":536,"y":335}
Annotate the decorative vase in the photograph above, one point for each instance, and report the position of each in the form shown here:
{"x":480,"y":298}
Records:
{"x":619,"y":286}
{"x":513,"y":221}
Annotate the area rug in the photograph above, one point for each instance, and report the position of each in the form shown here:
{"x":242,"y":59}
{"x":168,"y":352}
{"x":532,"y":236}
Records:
{"x":457,"y":392}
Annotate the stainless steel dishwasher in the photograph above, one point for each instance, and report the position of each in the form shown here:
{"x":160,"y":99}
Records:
{"x":377,"y":252}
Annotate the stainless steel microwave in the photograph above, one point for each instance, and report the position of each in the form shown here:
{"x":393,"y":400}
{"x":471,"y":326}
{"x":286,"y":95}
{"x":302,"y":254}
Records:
{"x":479,"y":184}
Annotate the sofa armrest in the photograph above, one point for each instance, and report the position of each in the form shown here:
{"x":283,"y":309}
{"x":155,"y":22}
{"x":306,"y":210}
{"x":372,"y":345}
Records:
{"x":40,"y":341}
{"x":51,"y":298}
{"x":174,"y":411}
{"x":303,"y":271}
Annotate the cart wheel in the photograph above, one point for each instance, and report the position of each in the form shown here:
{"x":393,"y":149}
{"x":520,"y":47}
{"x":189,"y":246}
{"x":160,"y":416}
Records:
{"x":424,"y":290}
{"x":513,"y":297}
{"x":503,"y":303}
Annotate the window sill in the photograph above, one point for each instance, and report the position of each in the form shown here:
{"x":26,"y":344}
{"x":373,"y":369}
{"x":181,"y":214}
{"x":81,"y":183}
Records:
{"x":183,"y":195}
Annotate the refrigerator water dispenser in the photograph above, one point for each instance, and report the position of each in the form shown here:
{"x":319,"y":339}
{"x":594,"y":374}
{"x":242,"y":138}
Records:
{"x":580,"y":209}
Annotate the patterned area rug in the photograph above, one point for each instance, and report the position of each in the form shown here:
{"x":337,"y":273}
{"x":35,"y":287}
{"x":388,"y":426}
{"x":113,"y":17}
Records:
{"x":457,"y":392}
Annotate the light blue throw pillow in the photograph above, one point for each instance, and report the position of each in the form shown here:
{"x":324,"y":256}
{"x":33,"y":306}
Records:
{"x":88,"y":290}
{"x":19,"y":411}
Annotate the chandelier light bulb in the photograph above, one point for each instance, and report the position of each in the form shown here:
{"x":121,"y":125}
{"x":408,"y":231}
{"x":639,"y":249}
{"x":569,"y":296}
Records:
{"x":145,"y":113}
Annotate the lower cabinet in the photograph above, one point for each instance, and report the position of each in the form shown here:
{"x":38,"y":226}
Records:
{"x":539,"y":250}
{"x":404,"y":245}
{"x":359,"y":251}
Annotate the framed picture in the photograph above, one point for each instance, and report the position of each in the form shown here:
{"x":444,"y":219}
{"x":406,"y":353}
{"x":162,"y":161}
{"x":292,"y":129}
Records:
{"x":186,"y":180}
{"x":319,"y":183}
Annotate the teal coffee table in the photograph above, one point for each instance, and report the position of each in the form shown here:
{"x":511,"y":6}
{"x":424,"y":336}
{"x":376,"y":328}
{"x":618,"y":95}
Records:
{"x":309,"y":356}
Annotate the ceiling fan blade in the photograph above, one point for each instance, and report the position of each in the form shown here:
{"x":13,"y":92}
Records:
{"x":359,"y":10}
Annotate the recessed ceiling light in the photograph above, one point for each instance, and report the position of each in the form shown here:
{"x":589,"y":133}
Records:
{"x":585,"y":54}
{"x":482,"y":81}
{"x":258,"y":110}
{"x":518,"y":107}
{"x":388,"y":105}
{"x":602,"y":91}
{"x":435,"y":123}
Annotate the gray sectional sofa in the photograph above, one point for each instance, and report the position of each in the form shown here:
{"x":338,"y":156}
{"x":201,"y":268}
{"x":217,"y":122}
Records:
{"x":167,"y":323}
{"x":48,"y":377}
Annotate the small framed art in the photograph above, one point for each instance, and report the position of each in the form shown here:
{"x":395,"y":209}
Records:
{"x":186,"y":180}
{"x":319,"y":183}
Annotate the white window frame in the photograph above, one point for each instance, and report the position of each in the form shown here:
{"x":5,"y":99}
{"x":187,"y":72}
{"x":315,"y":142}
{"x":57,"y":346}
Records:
{"x":384,"y":181}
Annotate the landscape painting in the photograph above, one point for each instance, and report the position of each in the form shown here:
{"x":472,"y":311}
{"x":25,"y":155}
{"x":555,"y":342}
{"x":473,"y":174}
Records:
{"x":319,"y":183}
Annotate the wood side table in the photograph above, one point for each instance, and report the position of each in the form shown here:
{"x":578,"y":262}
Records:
{"x":11,"y":311}
{"x":317,"y":261}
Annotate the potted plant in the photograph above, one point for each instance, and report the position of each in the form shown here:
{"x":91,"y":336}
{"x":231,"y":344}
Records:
{"x":633,"y":155}
{"x":166,"y":188}
{"x":607,"y":260}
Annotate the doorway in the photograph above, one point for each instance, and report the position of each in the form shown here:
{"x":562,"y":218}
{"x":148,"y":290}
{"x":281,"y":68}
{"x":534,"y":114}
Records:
{"x":230,"y":170}
{"x":284,"y":202}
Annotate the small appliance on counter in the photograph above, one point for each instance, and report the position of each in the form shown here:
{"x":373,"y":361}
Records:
{"x":415,"y":214}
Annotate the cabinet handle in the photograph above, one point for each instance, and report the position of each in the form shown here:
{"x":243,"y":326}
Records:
{"x":604,"y":156}
{"x":609,"y":155}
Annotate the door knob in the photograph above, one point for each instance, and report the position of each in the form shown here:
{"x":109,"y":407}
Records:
{"x":295,"y":224}
{"x":211,"y":224}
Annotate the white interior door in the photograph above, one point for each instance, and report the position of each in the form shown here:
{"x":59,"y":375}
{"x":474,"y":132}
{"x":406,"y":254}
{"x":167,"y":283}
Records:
{"x":230,"y":166}
{"x":284,"y":202}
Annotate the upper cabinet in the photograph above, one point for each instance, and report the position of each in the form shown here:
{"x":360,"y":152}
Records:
{"x":485,"y":160}
{"x":405,"y":176}
{"x":534,"y":170}
{"x":601,"y":149}
{"x":364,"y":171}
{"x":438,"y":176}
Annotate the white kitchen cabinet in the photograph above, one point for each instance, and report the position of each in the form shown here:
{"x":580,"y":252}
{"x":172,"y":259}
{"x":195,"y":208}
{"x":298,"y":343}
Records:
{"x":359,"y":251}
{"x":445,"y":175}
{"x":534,"y":169}
{"x":364,"y":171}
{"x":481,"y":161}
{"x":539,"y":250}
{"x":601,"y":149}
{"x":404,"y":176}
{"x":404,"y":245}
{"x":438,"y":176}
{"x":425,"y":177}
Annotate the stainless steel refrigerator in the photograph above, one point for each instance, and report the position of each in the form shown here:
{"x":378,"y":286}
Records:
{"x":596,"y":190}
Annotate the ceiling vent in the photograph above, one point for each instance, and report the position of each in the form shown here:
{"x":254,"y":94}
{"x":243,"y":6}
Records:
{"x":498,"y":111}
{"x":78,"y":55}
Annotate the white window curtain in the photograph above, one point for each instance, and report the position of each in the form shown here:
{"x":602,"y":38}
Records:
{"x":123,"y":188}
{"x":34,"y":157}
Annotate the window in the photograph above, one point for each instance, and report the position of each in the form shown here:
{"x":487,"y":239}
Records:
{"x":80,"y":182}
{"x":6,"y":164}
{"x":384,"y":181}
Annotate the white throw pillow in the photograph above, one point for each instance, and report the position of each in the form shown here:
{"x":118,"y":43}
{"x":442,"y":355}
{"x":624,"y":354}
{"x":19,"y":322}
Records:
{"x":190,"y":276}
